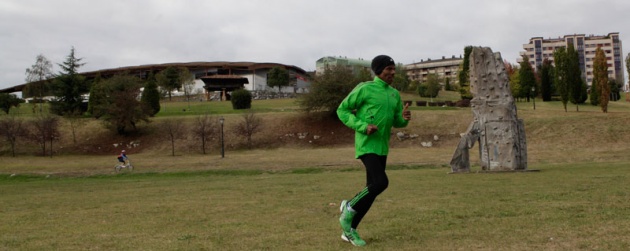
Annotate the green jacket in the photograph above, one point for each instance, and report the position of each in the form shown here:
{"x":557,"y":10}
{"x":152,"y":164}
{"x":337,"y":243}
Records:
{"x":372,"y":102}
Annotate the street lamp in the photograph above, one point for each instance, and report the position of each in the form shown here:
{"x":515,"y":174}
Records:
{"x":534,"y":96}
{"x":221,"y":120}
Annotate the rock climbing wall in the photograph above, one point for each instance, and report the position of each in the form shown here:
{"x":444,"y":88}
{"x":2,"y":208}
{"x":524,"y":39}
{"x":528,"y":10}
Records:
{"x":501,"y":135}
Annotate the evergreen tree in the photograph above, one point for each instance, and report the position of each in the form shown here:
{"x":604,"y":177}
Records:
{"x":600,"y":78}
{"x":151,"y":96}
{"x":546,"y":80}
{"x":447,"y":84}
{"x":68,"y":87}
{"x":527,"y":79}
{"x":594,"y":94}
{"x":560,"y":75}
{"x":584,"y":92}
{"x":614,"y":90}
{"x":462,"y":75}
{"x":97,"y":96}
{"x":515,"y":85}
{"x":574,"y":76}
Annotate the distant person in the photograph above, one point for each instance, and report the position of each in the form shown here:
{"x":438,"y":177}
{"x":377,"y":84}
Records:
{"x":122,"y":157}
{"x":371,"y":110}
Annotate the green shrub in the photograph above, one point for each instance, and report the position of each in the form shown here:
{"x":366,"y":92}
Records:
{"x":241,"y":99}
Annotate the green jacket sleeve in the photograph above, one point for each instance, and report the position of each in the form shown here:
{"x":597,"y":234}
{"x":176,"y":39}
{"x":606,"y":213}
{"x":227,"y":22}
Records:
{"x":399,"y":121}
{"x":347,"y":108}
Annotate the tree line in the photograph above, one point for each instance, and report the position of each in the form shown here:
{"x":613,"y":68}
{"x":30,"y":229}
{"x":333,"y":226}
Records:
{"x":563,"y":80}
{"x":118,"y":101}
{"x":44,"y":130}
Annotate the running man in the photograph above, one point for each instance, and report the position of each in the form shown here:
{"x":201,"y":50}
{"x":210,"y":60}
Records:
{"x":371,"y":110}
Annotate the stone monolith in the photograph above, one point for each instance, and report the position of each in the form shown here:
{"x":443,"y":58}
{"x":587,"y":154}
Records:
{"x":497,"y":129}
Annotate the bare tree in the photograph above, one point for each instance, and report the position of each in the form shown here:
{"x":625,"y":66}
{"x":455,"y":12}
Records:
{"x":37,"y":77}
{"x":11,"y":128}
{"x":250,"y":125}
{"x":45,"y":128}
{"x":75,"y":120}
{"x":203,"y":129}
{"x":172,"y":129}
{"x":187,"y":80}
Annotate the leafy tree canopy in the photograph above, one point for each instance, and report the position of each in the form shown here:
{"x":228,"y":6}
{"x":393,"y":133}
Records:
{"x":121,"y":108}
{"x":7,"y":101}
{"x":328,"y":90}
{"x":278,"y":77}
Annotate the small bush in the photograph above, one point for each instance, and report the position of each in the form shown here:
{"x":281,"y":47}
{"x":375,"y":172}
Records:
{"x":463,"y":103}
{"x":241,"y":99}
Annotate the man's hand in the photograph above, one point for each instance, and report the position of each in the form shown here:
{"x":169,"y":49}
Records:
{"x":371,"y":129}
{"x":406,"y":113}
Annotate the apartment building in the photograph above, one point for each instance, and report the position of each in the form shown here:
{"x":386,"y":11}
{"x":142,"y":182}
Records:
{"x":540,"y":48}
{"x":443,"y":68}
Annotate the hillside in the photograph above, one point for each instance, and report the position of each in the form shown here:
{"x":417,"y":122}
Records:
{"x":553,"y":136}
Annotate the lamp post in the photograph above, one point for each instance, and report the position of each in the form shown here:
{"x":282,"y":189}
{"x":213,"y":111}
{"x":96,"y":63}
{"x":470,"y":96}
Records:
{"x":534,"y":96}
{"x":221,"y":120}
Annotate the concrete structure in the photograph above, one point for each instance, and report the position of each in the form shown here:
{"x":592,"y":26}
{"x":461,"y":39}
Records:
{"x":540,"y":48}
{"x":495,"y":125}
{"x":355,"y":65}
{"x":216,"y":76}
{"x":443,"y":68}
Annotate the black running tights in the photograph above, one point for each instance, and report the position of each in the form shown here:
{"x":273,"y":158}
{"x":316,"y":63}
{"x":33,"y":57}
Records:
{"x":376,"y":183}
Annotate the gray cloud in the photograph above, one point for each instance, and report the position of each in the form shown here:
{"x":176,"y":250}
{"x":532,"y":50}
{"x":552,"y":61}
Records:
{"x":114,"y":33}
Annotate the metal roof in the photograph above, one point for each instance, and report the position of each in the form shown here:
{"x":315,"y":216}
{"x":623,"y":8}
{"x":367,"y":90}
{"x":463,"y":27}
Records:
{"x":192,"y":66}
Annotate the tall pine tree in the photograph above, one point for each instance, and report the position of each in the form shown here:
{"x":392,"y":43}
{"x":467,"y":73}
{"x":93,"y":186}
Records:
{"x":574,"y":76}
{"x":600,"y":78}
{"x":68,"y":87}
{"x":151,"y":96}
{"x":98,"y":94}
{"x":527,"y":79}
{"x":546,"y":80}
{"x":560,"y":76}
{"x":462,"y":75}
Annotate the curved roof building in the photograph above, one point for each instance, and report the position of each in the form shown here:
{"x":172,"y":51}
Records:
{"x":216,"y":76}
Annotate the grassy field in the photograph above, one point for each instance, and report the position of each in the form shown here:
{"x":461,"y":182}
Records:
{"x":561,"y":207}
{"x":287,"y":198}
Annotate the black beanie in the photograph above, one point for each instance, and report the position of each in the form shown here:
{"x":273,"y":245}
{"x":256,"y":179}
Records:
{"x":380,"y":62}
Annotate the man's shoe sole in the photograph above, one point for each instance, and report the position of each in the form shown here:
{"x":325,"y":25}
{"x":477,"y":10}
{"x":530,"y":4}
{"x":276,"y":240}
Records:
{"x":343,"y":204}
{"x":344,"y":238}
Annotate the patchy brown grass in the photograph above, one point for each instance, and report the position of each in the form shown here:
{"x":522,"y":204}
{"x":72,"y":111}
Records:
{"x":553,"y":136}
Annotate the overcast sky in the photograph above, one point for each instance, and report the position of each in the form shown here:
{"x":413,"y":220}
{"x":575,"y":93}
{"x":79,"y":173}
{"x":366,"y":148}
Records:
{"x":112,"y":33}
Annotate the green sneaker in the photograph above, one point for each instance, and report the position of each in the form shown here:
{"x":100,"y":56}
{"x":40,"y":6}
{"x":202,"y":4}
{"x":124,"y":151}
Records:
{"x":345,"y":220}
{"x":353,"y":237}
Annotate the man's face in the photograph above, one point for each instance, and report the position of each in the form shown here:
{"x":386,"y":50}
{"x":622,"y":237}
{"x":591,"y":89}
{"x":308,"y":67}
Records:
{"x":388,"y":74}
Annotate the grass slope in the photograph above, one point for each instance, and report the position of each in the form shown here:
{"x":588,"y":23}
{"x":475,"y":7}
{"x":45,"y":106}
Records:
{"x":286,"y":197}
